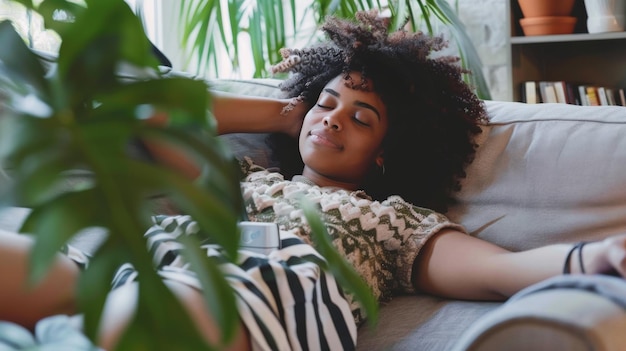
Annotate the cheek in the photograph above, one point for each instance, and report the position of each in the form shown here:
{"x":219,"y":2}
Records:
{"x":369,"y":156}
{"x":307,"y":124}
{"x":304,"y":130}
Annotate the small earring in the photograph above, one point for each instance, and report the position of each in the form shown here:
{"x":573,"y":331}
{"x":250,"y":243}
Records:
{"x":382,"y":169}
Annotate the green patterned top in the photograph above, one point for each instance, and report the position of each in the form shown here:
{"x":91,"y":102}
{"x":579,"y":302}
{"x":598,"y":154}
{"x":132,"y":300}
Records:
{"x":380,"y":239}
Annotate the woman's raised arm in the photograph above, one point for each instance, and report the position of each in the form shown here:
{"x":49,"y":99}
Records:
{"x":234,"y":114}
{"x":251,"y":114}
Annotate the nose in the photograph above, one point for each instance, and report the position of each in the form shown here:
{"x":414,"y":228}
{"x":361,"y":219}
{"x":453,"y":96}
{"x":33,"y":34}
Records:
{"x":332,"y":122}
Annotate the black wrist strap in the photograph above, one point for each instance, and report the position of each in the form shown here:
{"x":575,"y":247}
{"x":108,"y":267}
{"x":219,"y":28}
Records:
{"x":580,"y":256}
{"x":579,"y":247}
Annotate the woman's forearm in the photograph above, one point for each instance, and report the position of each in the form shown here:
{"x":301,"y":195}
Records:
{"x":249,"y":114}
{"x":234,"y":114}
{"x":457,"y":265}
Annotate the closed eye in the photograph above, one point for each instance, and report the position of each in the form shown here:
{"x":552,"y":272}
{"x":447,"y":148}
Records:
{"x":358,"y":121}
{"x":323,"y":106}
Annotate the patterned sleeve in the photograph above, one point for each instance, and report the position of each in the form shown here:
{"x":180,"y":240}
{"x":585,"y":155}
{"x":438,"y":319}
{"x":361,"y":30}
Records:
{"x":421,"y":224}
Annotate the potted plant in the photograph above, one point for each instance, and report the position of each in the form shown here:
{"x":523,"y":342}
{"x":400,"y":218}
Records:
{"x":210,"y":26}
{"x":83,"y":114}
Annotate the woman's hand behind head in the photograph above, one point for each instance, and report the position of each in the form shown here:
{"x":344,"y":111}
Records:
{"x":294,"y":112}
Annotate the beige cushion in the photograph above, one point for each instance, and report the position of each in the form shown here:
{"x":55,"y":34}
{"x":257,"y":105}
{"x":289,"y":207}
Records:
{"x":546,"y":173}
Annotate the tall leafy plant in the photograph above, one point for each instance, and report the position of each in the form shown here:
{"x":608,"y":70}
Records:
{"x":211,"y":27}
{"x":82,"y":113}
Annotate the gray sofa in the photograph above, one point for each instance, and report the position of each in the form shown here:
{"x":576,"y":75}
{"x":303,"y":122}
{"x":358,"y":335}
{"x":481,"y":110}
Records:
{"x":543,"y":174}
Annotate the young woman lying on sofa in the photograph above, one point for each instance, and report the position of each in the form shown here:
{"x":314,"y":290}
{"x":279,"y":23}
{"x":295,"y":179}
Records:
{"x":372,"y":123}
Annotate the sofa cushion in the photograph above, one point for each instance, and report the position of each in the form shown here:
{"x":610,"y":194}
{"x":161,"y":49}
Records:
{"x":546,"y":173}
{"x":267,"y":87}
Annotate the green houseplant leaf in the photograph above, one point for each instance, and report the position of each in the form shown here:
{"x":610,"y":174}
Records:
{"x":27,"y":68}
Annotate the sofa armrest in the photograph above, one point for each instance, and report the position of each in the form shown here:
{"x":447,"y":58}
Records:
{"x":559,"y":318}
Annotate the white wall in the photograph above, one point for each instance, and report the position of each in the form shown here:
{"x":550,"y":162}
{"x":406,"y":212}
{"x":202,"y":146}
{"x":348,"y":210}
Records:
{"x":168,"y":36}
{"x":486,"y":24}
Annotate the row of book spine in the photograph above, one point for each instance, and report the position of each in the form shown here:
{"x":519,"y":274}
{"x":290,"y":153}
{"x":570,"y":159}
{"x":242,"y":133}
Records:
{"x":570,"y":93}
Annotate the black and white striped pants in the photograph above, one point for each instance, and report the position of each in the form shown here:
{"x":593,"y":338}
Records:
{"x":285,"y":300}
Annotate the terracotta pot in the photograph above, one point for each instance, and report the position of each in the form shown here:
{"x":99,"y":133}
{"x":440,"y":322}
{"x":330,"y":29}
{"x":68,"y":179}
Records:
{"x":548,"y":25}
{"x":546,"y":8}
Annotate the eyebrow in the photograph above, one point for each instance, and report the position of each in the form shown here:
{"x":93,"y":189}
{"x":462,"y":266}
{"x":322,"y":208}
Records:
{"x":357,"y":103}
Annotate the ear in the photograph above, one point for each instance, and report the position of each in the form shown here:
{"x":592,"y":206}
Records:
{"x":380,"y":159}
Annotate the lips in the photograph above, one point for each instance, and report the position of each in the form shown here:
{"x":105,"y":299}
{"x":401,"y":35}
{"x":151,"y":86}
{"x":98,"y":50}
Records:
{"x":323,"y":138}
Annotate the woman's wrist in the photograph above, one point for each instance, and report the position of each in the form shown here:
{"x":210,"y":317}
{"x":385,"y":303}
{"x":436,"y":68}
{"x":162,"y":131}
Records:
{"x":594,"y":258}
{"x":294,"y":111}
{"x":575,"y":253}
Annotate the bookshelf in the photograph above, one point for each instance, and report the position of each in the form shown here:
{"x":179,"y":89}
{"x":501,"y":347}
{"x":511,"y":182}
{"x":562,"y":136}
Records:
{"x":582,"y":58}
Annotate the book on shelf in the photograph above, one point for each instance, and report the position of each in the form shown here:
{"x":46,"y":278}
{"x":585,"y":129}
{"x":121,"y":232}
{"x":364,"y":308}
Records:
{"x":592,"y":95}
{"x":582,"y":92}
{"x":530,"y":93}
{"x":572,"y":93}
{"x":548,"y":92}
{"x":601,"y":91}
{"x":559,"y":88}
{"x":573,"y":96}
{"x":610,"y":96}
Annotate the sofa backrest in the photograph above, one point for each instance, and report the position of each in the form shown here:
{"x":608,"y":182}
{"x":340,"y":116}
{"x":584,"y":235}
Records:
{"x":543,"y":173}
{"x":546,"y":173}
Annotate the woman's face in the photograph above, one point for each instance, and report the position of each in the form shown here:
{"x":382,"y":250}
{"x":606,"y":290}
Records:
{"x":342,"y":134}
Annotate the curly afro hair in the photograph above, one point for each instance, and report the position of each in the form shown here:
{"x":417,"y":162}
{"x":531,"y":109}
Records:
{"x":434,"y":115}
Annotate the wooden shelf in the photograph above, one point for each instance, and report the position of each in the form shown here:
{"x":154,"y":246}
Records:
{"x":581,"y":58}
{"x":521,"y":40}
